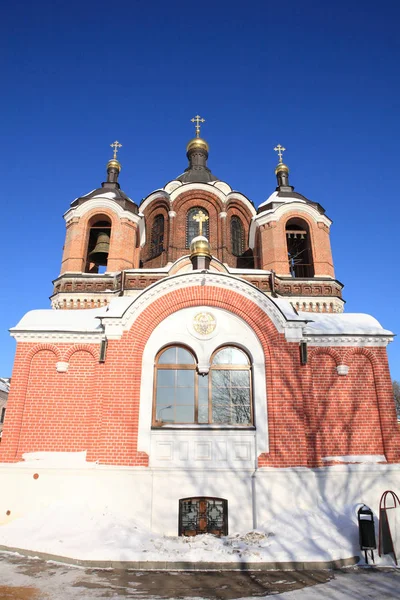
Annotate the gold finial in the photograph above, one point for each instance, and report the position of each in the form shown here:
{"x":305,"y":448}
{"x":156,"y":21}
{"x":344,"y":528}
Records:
{"x":197,"y":119}
{"x":200,"y":218}
{"x":116,"y":146}
{"x":280,"y":149}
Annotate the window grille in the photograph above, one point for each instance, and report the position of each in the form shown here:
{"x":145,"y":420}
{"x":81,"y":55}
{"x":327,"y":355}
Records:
{"x":203,"y":515}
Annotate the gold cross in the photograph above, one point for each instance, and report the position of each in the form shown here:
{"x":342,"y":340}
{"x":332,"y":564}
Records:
{"x":279,"y":149}
{"x":200,"y":218}
{"x":197,"y":119}
{"x":116,"y":146}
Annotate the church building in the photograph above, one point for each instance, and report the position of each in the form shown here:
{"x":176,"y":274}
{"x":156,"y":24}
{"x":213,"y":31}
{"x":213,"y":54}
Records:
{"x":196,"y":369}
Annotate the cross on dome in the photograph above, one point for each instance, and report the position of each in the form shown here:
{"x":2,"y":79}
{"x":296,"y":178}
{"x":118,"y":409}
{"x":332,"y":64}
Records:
{"x":200,"y":218}
{"x":280,"y":150}
{"x":115,"y":146}
{"x":197,"y":119}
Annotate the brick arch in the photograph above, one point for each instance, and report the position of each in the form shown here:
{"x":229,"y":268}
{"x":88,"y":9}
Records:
{"x":361,"y":350}
{"x":81,"y":348}
{"x":199,"y":196}
{"x":40,"y":348}
{"x":314,"y":352}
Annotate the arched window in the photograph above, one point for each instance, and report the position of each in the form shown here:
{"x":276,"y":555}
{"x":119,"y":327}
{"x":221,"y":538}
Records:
{"x":299,"y":248}
{"x":223,"y":397}
{"x":98,"y":246}
{"x":237,"y":237}
{"x":157,"y":236}
{"x":192,"y":226}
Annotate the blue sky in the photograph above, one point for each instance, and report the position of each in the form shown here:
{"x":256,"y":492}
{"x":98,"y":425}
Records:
{"x":319,"y":78}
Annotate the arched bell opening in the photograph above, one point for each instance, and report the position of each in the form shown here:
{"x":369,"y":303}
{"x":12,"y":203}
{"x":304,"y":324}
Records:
{"x":299,"y":250}
{"x":98,"y":246}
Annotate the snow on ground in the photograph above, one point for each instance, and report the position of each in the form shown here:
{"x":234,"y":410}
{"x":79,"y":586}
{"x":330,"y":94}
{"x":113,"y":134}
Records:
{"x":82,"y":532}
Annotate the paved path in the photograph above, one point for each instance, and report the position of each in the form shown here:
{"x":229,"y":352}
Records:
{"x":30,"y":579}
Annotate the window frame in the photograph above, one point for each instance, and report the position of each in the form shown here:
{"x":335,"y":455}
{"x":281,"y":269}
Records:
{"x":156,"y":423}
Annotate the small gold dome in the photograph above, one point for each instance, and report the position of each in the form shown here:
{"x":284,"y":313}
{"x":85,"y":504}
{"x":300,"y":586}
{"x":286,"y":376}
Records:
{"x":197,"y":142}
{"x":114,"y":164}
{"x":281,"y":167}
{"x":200,"y":246}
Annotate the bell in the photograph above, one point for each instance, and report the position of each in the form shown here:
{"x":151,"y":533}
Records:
{"x":99,"y":254}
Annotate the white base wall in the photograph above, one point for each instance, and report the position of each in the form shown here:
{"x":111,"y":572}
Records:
{"x":151,"y":496}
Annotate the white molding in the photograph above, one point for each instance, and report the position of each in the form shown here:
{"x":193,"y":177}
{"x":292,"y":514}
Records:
{"x":101,"y":203}
{"x":62,"y":366}
{"x":172,"y":214}
{"x":116,"y":326}
{"x":153,"y":196}
{"x":223,"y":215}
{"x":60,"y":337}
{"x":342,"y":370}
{"x":348,"y":340}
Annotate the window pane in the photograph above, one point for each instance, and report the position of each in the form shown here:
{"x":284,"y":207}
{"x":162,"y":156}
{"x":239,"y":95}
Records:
{"x":168,"y":357}
{"x":223,"y":357}
{"x":240,"y":395}
{"x":239,"y":357}
{"x":241,"y":414}
{"x":165,"y":414}
{"x":185,"y":378}
{"x":221,"y":412}
{"x":203,"y":413}
{"x":166,"y":378}
{"x":220,"y":378}
{"x":203,"y":395}
{"x":184,"y":395}
{"x":184,"y":414}
{"x":184,"y":357}
{"x":230,"y":356}
{"x":240,"y":378}
{"x":165,"y":396}
{"x":203,"y":381}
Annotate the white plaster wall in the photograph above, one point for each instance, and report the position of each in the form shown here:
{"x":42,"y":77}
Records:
{"x":182,"y":445}
{"x":151,"y":496}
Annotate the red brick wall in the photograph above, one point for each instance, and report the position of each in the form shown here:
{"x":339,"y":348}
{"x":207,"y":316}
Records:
{"x":312,"y":411}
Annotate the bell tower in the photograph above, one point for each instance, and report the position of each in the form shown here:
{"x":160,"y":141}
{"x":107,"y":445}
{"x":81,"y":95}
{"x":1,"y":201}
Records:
{"x":291,"y":239}
{"x":102,"y":240}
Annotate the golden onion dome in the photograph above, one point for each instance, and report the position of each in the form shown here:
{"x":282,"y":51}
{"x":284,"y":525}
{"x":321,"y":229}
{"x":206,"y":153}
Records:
{"x":197,"y":142}
{"x":114,"y":164}
{"x":281,"y":167}
{"x":200,"y":246}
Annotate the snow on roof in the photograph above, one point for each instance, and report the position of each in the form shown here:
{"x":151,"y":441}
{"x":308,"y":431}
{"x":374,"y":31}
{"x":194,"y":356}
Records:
{"x":275,"y":198}
{"x":109,"y":195}
{"x":336,"y":324}
{"x":61,"y":320}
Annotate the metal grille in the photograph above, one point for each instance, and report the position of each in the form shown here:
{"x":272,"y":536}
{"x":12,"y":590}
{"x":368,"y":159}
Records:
{"x":203,"y":515}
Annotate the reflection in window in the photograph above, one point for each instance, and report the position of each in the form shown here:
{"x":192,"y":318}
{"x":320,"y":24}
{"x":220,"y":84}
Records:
{"x":193,"y":227}
{"x":183,"y":396}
